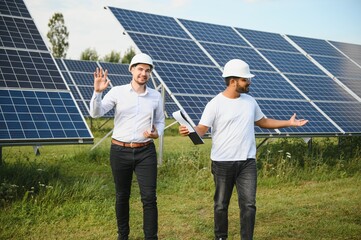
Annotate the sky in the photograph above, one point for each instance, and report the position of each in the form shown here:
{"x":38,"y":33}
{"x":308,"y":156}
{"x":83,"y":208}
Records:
{"x":92,"y":26}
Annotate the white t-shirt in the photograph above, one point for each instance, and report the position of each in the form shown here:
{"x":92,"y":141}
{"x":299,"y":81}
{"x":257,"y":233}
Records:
{"x":232,"y":125}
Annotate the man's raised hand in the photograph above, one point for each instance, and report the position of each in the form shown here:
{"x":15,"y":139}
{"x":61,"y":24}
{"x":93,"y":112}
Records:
{"x":101,"y":82}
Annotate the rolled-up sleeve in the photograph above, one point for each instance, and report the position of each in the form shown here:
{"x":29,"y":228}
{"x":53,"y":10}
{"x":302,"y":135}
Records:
{"x":159,"y":117}
{"x":99,"y":106}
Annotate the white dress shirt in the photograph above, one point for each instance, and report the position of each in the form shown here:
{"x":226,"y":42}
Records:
{"x":133,"y":111}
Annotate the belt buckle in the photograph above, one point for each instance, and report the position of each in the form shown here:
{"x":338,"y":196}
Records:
{"x":131,"y":145}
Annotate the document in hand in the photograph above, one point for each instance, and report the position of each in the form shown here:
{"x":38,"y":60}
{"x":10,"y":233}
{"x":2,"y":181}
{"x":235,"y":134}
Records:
{"x":183,"y":119}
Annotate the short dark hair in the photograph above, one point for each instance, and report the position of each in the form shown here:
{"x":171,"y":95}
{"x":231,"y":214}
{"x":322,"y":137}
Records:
{"x":228,"y":79}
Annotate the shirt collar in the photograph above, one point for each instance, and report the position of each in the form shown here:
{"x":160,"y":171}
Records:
{"x":130,"y":89}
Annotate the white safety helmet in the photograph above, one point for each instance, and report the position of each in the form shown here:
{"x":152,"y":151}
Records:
{"x":237,"y":68}
{"x":141,"y":58}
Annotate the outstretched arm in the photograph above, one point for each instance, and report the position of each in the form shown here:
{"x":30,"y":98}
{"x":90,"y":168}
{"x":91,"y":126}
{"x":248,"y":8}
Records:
{"x":273,"y":123}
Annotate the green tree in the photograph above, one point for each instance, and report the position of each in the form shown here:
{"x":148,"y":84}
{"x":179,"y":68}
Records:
{"x":128,"y":55}
{"x":89,"y":55}
{"x":58,"y":35}
{"x":113,"y":57}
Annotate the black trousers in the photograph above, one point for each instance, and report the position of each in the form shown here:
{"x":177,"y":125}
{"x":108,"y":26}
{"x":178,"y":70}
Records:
{"x":143,"y":161}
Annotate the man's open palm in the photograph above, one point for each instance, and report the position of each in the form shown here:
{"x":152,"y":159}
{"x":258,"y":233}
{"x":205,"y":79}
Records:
{"x":101,"y":82}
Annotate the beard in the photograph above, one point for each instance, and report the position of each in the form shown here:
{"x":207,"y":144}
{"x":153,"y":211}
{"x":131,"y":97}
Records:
{"x":240,"y":89}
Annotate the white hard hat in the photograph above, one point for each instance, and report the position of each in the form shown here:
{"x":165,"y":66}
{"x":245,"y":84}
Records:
{"x":141,"y":58}
{"x":237,"y":68}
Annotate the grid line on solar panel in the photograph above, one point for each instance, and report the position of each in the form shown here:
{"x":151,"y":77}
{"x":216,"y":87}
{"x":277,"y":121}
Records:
{"x":14,"y":8}
{"x":171,"y":50}
{"x":148,"y":23}
{"x":80,"y":66}
{"x":272,"y":85}
{"x":339,"y":67}
{"x":36,"y":115}
{"x":347,"y":116}
{"x":315,"y":46}
{"x":353,"y":84}
{"x":353,"y":51}
{"x":223,"y":53}
{"x":320,"y":88}
{"x":116,"y":68}
{"x":207,"y":32}
{"x":266,"y":40}
{"x":20,"y":33}
{"x":188,"y":79}
{"x":24,"y":69}
{"x":304,"y":110}
{"x":292,"y":63}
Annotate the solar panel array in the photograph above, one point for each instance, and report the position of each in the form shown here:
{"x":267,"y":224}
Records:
{"x":317,"y":79}
{"x":36,"y":107}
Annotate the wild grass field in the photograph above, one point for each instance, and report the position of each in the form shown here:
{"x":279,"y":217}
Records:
{"x":67,"y":191}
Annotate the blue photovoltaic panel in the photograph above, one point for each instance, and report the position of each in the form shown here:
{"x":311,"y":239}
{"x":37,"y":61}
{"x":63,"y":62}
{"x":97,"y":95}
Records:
{"x":353,"y":51}
{"x":81,"y":66}
{"x":188,"y":79}
{"x":353,"y":84}
{"x":171,"y":49}
{"x":315,"y":46}
{"x":36,"y":106}
{"x":318,"y":124}
{"x":14,"y":8}
{"x":266,"y":40}
{"x":24,"y":69}
{"x":20,"y":33}
{"x":320,"y":88}
{"x":148,"y":23}
{"x":83,"y":78}
{"x":339,"y":67}
{"x":272,"y":85}
{"x":220,"y":34}
{"x":39,"y":116}
{"x":292,"y":63}
{"x":191,"y":77}
{"x":116,"y":68}
{"x":223,"y":53}
{"x":117,"y":80}
{"x":347,"y":116}
{"x":60,"y":64}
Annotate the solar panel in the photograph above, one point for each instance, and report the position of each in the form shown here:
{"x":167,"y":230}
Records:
{"x":28,"y":117}
{"x":336,"y":63}
{"x":266,"y":40}
{"x":220,"y":34}
{"x":157,"y":25}
{"x":286,"y":81}
{"x":347,"y":116}
{"x":171,"y":49}
{"x":14,"y":8}
{"x":36,"y":105}
{"x":223,"y":53}
{"x":321,"y":88}
{"x":353,"y":51}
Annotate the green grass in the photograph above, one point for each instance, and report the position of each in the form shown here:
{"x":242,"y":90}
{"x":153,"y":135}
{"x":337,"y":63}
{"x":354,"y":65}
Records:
{"x":67,"y":192}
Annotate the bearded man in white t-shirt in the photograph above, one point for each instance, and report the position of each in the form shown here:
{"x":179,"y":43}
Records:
{"x":232,"y":115}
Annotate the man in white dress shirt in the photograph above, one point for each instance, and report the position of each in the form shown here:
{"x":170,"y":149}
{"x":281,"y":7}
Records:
{"x":137,"y":107}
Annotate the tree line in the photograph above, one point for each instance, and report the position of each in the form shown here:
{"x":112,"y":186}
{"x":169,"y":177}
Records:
{"x":58,"y":35}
